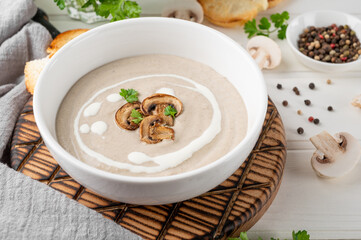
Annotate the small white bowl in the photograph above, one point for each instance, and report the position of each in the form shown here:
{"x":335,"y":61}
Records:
{"x":322,"y":18}
{"x":140,"y":36}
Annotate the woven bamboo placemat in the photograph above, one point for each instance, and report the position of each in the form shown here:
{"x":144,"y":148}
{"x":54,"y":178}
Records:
{"x":233,"y":206}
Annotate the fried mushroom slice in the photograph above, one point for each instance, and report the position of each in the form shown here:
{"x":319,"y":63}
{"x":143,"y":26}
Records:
{"x":156,"y":103}
{"x":159,"y":132}
{"x":123,"y":116}
{"x":151,"y":130}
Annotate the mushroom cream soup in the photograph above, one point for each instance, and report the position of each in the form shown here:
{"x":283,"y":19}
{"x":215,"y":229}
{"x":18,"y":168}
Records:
{"x":151,"y":115}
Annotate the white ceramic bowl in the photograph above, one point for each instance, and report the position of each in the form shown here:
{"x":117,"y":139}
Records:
{"x":321,"y":18}
{"x":149,"y":36}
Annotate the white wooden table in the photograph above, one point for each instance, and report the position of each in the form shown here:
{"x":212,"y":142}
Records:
{"x":327,"y":209}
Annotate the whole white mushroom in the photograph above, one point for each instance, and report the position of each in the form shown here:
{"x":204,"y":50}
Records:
{"x":335,"y":157}
{"x":189,"y":10}
{"x":265,"y":52}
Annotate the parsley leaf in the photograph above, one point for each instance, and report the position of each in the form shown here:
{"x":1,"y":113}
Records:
{"x":279,"y":21}
{"x":170,"y":111}
{"x":251,"y":28}
{"x":300,"y":235}
{"x":130,"y":95}
{"x":138,"y":117}
{"x":60,"y":4}
{"x":118,"y":9}
{"x":264,"y":24}
{"x":282,"y":32}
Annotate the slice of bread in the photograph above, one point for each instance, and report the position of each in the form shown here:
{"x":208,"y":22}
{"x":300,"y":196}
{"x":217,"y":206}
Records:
{"x":231,"y":13}
{"x":273,"y":3}
{"x":32,"y":71}
{"x":62,"y":39}
{"x":33,"y":68}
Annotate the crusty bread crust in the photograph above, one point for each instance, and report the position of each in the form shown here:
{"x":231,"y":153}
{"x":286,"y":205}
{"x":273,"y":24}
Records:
{"x":273,"y":3}
{"x":33,"y":68}
{"x":231,"y":13}
{"x":32,"y":71}
{"x":62,"y":39}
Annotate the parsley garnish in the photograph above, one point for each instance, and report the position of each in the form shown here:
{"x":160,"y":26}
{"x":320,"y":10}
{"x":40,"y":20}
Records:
{"x":60,"y":3}
{"x":119,"y":9}
{"x":300,"y":235}
{"x":138,"y":117}
{"x":170,"y":111}
{"x":130,"y":95}
{"x":263,"y":29}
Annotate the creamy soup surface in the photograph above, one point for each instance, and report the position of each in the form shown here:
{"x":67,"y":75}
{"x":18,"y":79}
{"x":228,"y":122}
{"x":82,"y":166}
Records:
{"x":86,"y":127}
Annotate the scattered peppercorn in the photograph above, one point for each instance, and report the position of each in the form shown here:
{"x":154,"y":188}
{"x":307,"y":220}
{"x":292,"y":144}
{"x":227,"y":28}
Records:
{"x":285,"y":103}
{"x":330,"y":108}
{"x":316,"y":121}
{"x":311,"y":86}
{"x":328,"y":81}
{"x":296,"y":91}
{"x":299,"y":112}
{"x":333,"y":44}
{"x":279,"y":86}
{"x":310,"y":119}
{"x":300,"y":130}
{"x":307,"y":102}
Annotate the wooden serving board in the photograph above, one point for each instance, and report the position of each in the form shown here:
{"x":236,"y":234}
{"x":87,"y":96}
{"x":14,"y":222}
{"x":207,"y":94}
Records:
{"x":232,"y":207}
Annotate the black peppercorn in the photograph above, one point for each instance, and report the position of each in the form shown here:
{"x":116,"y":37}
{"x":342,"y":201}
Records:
{"x":279,"y":86}
{"x":296,"y":91}
{"x":330,"y":108}
{"x":311,"y":86}
{"x":316,"y":121}
{"x":285,"y":103}
{"x":307,"y":102}
{"x":300,"y":130}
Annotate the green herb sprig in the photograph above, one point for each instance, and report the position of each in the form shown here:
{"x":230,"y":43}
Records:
{"x":279,"y":21}
{"x":300,"y":235}
{"x":170,"y":111}
{"x":119,"y":9}
{"x":138,"y":117}
{"x":130,"y":95}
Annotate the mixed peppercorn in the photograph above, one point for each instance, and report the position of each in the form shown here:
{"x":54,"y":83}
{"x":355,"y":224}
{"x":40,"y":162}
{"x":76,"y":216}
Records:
{"x":333,"y":44}
{"x":307,"y":102}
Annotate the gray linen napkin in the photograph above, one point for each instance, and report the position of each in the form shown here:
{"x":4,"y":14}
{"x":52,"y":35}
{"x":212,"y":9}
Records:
{"x":29,"y":209}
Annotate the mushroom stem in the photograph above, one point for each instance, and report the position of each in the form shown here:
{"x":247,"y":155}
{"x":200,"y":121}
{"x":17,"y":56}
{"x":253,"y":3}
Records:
{"x":261,"y":58}
{"x":326,"y":144}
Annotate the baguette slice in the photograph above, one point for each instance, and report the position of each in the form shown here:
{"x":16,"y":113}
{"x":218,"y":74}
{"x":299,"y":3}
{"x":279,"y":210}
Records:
{"x":231,"y":13}
{"x":32,"y":71}
{"x":62,"y":39}
{"x":33,"y":68}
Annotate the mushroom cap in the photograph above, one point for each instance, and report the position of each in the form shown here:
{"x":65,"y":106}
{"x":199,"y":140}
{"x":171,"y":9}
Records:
{"x":156,"y":103}
{"x":123,"y":118}
{"x":265,"y":50}
{"x":343,"y":161}
{"x":144,"y":129}
{"x":189,"y":10}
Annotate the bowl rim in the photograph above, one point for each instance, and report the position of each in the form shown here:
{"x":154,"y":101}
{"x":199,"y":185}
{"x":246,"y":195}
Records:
{"x":295,"y":49}
{"x":59,"y":150}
